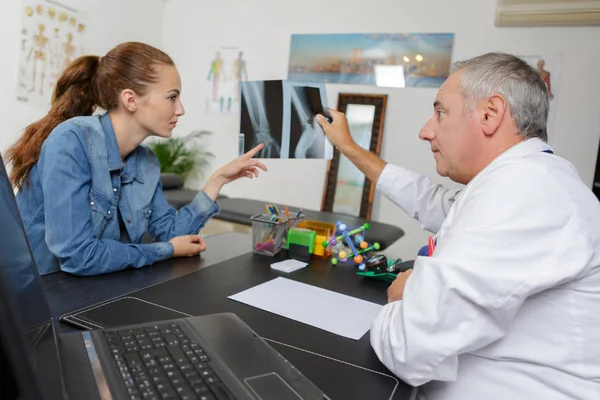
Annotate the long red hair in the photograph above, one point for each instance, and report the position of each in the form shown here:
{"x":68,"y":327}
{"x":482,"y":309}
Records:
{"x":89,"y":81}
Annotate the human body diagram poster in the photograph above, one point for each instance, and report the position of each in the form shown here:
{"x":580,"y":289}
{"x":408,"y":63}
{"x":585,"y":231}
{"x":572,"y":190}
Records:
{"x":51,"y":37}
{"x":226,"y":71}
{"x":549,"y":67}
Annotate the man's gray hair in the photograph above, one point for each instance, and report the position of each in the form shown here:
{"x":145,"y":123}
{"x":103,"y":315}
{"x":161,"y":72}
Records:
{"x":519,"y":83}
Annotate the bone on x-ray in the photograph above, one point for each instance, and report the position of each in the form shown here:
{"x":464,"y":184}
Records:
{"x":281,"y":114}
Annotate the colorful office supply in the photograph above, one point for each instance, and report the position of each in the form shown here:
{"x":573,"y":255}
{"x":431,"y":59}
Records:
{"x":431,"y":246}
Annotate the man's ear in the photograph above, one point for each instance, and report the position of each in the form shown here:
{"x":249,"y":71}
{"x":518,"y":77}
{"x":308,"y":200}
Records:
{"x":492,"y":112}
{"x":129,"y":100}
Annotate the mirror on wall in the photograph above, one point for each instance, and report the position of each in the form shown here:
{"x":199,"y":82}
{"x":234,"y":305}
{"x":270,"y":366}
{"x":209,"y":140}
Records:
{"x":347,"y":190}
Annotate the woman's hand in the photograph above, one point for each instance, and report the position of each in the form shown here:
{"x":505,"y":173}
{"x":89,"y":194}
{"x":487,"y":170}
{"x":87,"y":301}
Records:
{"x":243,"y":166}
{"x":188,"y":245}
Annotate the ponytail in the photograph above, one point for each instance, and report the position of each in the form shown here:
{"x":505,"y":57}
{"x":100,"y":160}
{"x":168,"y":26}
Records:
{"x":75,"y":95}
{"x":85,"y":84}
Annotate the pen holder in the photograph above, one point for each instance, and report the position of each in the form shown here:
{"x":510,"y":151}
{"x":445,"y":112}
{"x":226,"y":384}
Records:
{"x":291,"y":223}
{"x":267,"y":233}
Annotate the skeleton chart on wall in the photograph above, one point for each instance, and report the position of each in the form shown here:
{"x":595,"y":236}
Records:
{"x":226,"y":71}
{"x":51,"y":37}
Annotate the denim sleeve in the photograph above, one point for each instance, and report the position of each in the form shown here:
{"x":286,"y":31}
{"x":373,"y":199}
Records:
{"x":66,"y":183}
{"x":167,"y":223}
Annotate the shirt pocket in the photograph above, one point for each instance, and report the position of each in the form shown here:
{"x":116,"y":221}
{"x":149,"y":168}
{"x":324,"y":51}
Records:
{"x":102,"y":211}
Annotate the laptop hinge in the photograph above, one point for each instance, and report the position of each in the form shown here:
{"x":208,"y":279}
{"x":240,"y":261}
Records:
{"x":103,"y":388}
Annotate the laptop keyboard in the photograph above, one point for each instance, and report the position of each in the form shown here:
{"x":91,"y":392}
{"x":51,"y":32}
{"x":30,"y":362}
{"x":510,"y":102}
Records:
{"x":160,"y":362}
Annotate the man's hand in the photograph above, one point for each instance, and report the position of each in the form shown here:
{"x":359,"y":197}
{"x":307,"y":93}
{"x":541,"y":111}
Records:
{"x":337,"y":131}
{"x":396,"y":289}
{"x":339,"y":135}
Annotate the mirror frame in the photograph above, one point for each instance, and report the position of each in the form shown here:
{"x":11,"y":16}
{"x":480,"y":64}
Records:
{"x":345,"y":99}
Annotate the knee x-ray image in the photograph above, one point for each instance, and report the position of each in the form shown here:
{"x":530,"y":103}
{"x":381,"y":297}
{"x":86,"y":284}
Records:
{"x":281,"y":114}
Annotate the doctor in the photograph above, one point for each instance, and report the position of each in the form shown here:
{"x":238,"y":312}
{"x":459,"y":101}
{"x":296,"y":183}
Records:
{"x":508,"y":305}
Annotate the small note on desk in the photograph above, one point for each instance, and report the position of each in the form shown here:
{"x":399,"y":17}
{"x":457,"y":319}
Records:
{"x":331,"y":311}
{"x":289,"y":265}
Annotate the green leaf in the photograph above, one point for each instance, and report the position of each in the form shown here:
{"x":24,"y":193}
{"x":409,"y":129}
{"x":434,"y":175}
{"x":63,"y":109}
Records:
{"x":183,"y":155}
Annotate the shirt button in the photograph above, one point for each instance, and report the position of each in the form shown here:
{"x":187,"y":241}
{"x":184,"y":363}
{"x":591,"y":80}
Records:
{"x":128,"y":221}
{"x":92,"y":203}
{"x":108,"y":212}
{"x":149,"y":211}
{"x":115,"y":190}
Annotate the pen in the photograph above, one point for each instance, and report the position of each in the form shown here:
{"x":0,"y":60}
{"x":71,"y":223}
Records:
{"x":287,"y":215}
{"x":431,"y":246}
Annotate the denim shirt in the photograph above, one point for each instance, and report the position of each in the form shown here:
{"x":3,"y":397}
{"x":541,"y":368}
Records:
{"x":77,"y":189}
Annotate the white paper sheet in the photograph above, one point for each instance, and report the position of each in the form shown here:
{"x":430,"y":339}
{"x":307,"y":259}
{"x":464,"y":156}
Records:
{"x":289,"y":265}
{"x":334,"y":312}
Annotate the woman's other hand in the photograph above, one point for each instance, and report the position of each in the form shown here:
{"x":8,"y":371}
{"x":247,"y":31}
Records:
{"x":187,"y":246}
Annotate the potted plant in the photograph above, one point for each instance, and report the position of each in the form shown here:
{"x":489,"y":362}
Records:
{"x":182,"y":155}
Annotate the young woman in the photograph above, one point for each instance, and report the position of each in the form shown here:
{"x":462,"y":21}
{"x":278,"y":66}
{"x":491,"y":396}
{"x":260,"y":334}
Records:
{"x":88,"y":191}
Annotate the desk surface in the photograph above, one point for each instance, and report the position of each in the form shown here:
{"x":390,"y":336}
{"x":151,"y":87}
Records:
{"x":240,"y":210}
{"x":343,"y":367}
{"x":68,"y":293}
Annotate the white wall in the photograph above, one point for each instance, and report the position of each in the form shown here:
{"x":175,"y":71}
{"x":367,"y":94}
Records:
{"x":110,"y":22}
{"x":193,"y":30}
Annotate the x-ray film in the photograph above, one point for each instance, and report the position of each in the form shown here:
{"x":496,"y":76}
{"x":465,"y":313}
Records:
{"x":281,"y":114}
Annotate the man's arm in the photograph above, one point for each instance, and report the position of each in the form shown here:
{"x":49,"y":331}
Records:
{"x":338,"y":133}
{"x":497,"y":252}
{"x":414,"y":193}
{"x":369,"y":163}
{"x":420,"y":198}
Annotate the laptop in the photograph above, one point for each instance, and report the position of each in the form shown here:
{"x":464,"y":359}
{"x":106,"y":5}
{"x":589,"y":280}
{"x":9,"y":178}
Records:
{"x":214,"y":356}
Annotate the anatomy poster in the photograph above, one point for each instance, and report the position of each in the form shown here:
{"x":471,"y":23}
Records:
{"x":549,"y":67}
{"x":225,"y":72}
{"x":51,"y":37}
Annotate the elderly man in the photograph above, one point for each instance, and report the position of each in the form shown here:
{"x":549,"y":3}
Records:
{"x":508,"y":305}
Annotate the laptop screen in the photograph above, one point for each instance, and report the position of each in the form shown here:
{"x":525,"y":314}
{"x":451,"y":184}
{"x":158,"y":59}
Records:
{"x":29,"y":306}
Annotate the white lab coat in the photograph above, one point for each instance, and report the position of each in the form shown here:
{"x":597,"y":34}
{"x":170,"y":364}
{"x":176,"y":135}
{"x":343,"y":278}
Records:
{"x":508,"y":306}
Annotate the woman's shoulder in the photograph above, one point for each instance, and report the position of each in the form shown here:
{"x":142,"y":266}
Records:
{"x":79,"y":125}
{"x":73,"y":133}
